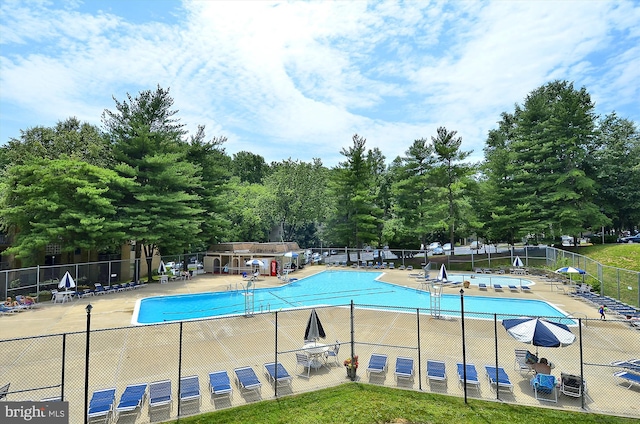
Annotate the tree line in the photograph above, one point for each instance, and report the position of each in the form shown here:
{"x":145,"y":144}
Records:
{"x":551,"y":167}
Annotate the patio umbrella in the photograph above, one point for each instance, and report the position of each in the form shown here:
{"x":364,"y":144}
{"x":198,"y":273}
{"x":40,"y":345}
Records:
{"x":442,"y":275}
{"x":571,"y":270}
{"x":66,"y":282}
{"x":314,"y":329}
{"x":255,"y":262}
{"x":518,"y":262}
{"x":539,"y":332}
{"x":290,"y":255}
{"x":162,"y":269}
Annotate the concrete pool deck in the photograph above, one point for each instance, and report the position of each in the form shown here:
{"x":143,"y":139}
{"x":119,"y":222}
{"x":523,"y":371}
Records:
{"x":603,"y":342}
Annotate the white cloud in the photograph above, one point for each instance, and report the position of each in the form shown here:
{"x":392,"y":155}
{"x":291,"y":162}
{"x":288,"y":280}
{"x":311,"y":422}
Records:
{"x":298,"y":79}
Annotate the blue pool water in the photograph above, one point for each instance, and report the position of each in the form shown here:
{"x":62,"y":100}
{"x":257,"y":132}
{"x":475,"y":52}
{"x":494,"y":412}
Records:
{"x":333,"y":288}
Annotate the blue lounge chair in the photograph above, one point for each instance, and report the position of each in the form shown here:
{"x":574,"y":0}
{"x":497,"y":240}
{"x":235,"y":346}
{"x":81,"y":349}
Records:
{"x":513,"y":288}
{"x":282,"y":377}
{"x":525,"y":289}
{"x":628,"y":377}
{"x":377,"y":364}
{"x":544,"y":384}
{"x":160,"y":395}
{"x":472,"y":376}
{"x":497,"y":287}
{"x":219,"y":384}
{"x":246,"y":379}
{"x":101,"y":404}
{"x":132,"y":398}
{"x":482,"y":286}
{"x":436,"y":372}
{"x":503,"y":379}
{"x":630,"y":365}
{"x":404,"y":368}
{"x":6,"y":310}
{"x":190,"y":389}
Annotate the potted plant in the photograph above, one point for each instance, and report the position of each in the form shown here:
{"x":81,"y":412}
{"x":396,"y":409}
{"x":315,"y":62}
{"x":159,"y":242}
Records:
{"x":466,"y":284}
{"x":351,"y":364}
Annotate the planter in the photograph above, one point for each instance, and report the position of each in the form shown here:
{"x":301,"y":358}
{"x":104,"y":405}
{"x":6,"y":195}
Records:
{"x":466,"y":284}
{"x":351,"y":373}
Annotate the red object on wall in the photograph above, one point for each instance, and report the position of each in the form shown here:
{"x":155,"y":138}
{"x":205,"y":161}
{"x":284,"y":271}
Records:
{"x":274,"y":268}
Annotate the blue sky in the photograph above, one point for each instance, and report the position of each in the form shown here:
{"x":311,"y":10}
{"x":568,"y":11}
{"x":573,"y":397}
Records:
{"x":298,"y":79}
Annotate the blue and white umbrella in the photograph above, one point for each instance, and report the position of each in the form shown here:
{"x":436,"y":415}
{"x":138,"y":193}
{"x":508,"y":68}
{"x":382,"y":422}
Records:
{"x":442,"y":275}
{"x":290,"y":255}
{"x":162,"y":269}
{"x":570,"y":270}
{"x":66,"y":282}
{"x":255,"y":262}
{"x":518,"y":262}
{"x":539,"y":332}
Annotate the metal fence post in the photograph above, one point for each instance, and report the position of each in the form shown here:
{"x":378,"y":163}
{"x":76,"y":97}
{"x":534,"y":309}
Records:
{"x":464,"y":353}
{"x":419,"y":362}
{"x":495,"y":333}
{"x":86,"y":366}
{"x":581,"y":363}
{"x":275,"y":372}
{"x":353,"y":347}
{"x":64,"y":348}
{"x":180,"y":368}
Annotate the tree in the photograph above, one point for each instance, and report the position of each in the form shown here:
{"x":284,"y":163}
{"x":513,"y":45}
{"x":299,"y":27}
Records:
{"x":70,"y":139}
{"x":356,"y":217}
{"x":215,"y":171}
{"x":546,"y":143}
{"x":296,"y":196}
{"x":452,"y":173}
{"x":61,"y":201}
{"x":161,"y":210}
{"x":411,"y":188}
{"x":616,"y":165}
{"x":251,"y":168}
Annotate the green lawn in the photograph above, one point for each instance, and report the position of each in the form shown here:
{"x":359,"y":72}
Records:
{"x":625,"y":256}
{"x":368,"y":404}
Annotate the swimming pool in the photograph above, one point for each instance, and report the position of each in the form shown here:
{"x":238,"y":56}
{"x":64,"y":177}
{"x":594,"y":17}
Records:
{"x":330,"y":288}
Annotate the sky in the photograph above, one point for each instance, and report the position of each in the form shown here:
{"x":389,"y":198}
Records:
{"x":298,"y":79}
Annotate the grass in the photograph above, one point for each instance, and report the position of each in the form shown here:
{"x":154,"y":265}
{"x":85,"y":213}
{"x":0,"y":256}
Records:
{"x":368,"y":404}
{"x":620,"y":255}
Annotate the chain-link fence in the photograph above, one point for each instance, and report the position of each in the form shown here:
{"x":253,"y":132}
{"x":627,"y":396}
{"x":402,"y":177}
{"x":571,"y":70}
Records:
{"x":54,"y":365}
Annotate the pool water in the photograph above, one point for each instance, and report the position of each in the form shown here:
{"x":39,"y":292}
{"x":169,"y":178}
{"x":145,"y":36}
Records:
{"x":335,"y":288}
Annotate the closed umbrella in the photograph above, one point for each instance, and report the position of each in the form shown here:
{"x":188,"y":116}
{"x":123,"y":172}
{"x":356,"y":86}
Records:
{"x":442,"y":275}
{"x":162,"y":269}
{"x":314,"y":329}
{"x":539,"y":332}
{"x":66,"y":282}
{"x":518,"y":262}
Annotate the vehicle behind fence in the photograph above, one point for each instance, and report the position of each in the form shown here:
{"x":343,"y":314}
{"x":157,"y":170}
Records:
{"x":54,"y":365}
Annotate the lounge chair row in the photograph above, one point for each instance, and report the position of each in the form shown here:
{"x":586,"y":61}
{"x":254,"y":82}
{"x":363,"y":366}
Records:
{"x":102,"y":406}
{"x":512,"y":288}
{"x":100,"y":289}
{"x":613,"y":305}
